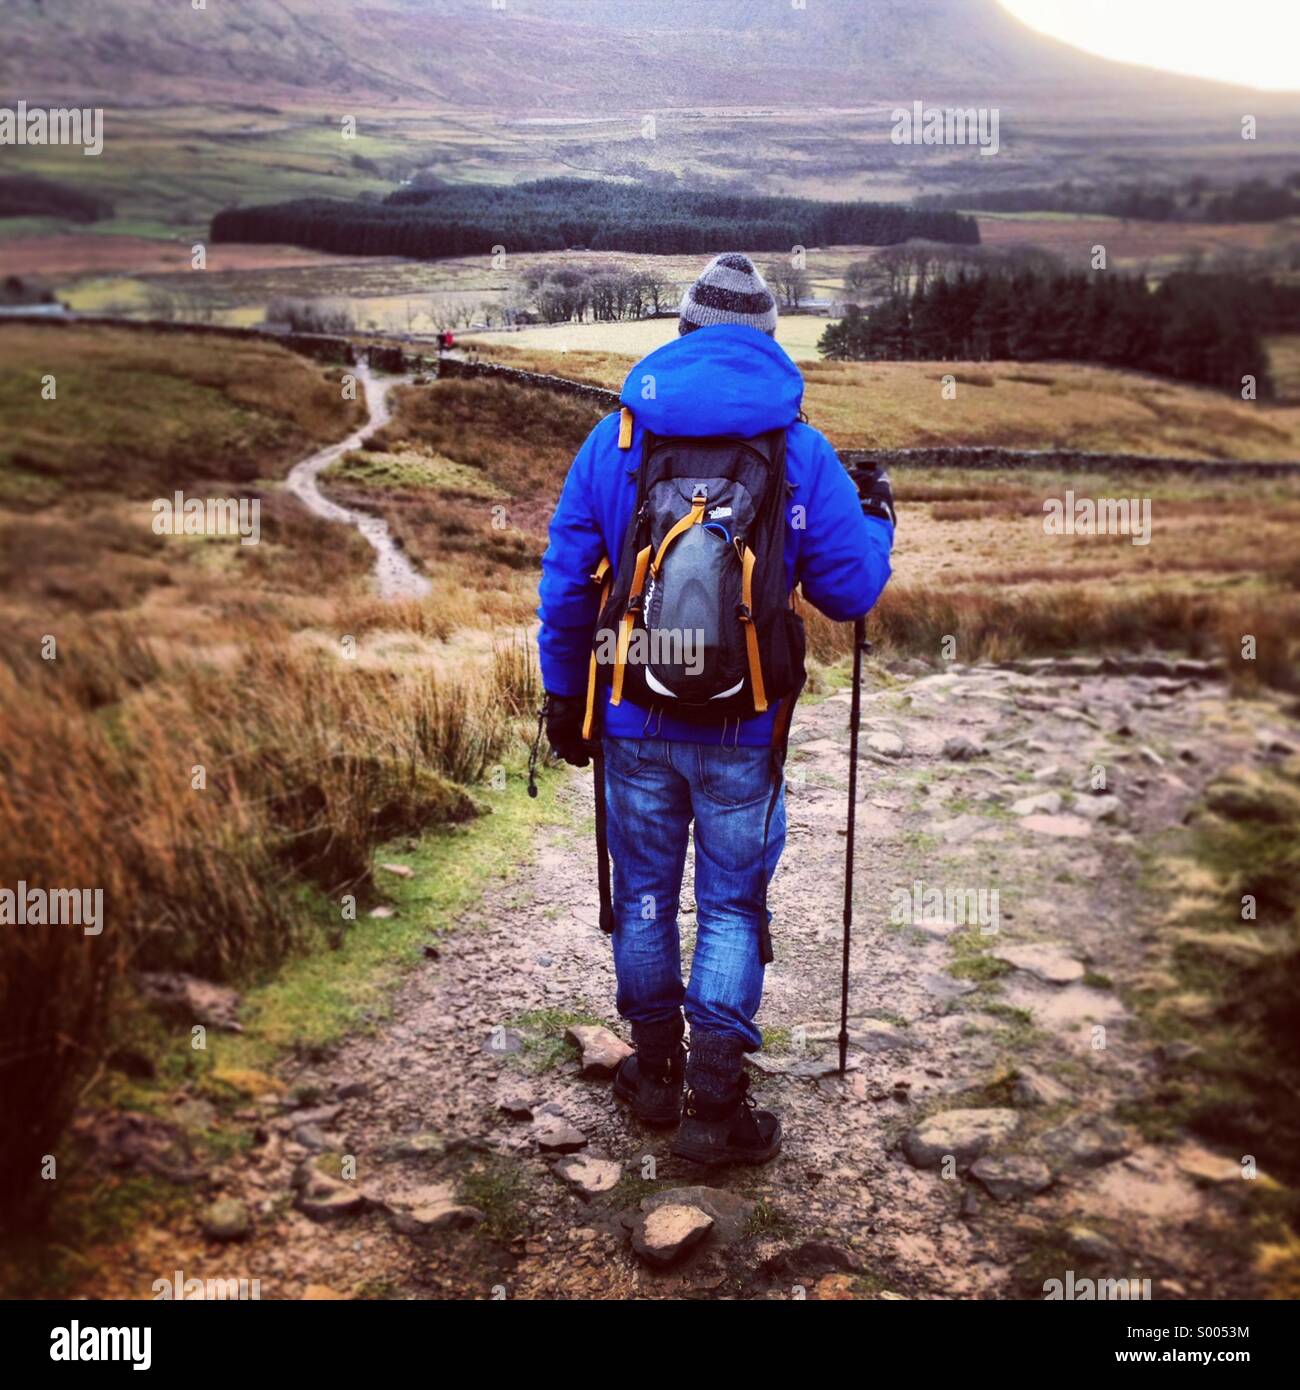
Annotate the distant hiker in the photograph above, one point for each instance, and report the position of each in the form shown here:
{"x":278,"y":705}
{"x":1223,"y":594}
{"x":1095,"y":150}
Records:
{"x":668,"y":624}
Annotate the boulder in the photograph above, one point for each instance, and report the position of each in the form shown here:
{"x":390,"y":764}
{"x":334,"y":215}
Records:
{"x":962,"y":749}
{"x":428,"y":1210}
{"x":589,"y":1176}
{"x":1087,"y":1244}
{"x":965,"y":1134}
{"x":601,"y":1049}
{"x":226,"y":1219}
{"x":1013,"y":1176}
{"x":1053,"y":964}
{"x":729,"y":1211}
{"x":886,"y":744}
{"x":665,"y":1234}
{"x":324,"y":1199}
{"x":191,"y":999}
{"x":1031,"y":1088}
{"x":1088,"y":1143}
{"x":426,"y":1144}
{"x":555,"y":1135}
{"x":1101,"y":808}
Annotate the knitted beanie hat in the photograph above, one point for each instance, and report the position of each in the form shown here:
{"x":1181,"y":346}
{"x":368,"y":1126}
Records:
{"x":729,"y":291}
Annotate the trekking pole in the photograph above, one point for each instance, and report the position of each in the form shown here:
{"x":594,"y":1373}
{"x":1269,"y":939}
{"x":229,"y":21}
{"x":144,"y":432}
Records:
{"x":602,"y":845}
{"x":860,"y":647}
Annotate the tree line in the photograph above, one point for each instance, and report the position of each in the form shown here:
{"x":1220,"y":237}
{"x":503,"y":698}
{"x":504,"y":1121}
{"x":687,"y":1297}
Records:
{"x":1194,"y":199}
{"x":25,"y":195}
{"x":561,"y":214}
{"x":1201,"y":328}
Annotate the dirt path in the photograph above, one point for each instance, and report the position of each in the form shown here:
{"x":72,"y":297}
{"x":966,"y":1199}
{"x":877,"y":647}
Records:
{"x":447,"y":1108}
{"x":395,"y":576}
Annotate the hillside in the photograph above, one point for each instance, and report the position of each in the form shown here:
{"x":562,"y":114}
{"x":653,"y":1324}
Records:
{"x":590,"y":56}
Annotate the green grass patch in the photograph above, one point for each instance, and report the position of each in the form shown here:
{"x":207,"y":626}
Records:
{"x":972,"y":960}
{"x":500,"y":1189}
{"x":768,"y":1220}
{"x":411,"y":469}
{"x":314,"y":1000}
{"x":776,"y":1040}
{"x":545,"y":1045}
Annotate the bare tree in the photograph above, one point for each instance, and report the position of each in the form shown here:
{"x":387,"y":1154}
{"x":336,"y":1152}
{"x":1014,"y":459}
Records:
{"x":789,"y":284}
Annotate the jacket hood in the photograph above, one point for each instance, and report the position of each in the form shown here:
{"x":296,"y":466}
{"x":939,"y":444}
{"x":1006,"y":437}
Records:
{"x":727,"y":379}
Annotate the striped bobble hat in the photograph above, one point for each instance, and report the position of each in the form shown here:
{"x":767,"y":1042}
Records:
{"x":729,"y":291}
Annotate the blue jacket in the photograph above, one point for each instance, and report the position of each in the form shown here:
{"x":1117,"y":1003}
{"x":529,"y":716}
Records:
{"x":728,"y":379}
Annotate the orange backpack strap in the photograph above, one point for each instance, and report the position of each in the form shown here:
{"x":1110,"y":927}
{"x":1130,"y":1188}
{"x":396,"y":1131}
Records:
{"x":683,"y":524}
{"x":751,"y":634}
{"x":604,"y":577}
{"x":629,"y":622}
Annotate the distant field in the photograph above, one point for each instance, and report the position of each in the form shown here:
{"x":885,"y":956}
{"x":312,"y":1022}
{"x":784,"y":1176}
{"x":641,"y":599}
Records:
{"x":169,"y":168}
{"x":797,"y":333}
{"x":384,"y":294}
{"x":1011,"y":404}
{"x":1153,"y":245}
{"x":72,"y":253}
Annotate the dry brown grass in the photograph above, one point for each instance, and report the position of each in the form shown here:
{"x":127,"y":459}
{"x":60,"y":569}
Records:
{"x":1038,"y":620}
{"x":899,"y":405}
{"x":202,"y":746}
{"x":220,"y":811}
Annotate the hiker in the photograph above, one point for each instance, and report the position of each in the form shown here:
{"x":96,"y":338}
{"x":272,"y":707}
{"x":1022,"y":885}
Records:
{"x":691,"y":514}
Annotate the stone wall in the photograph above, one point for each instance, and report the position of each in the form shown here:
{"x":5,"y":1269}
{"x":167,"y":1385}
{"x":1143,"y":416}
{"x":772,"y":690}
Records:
{"x":454,"y":366}
{"x":321,"y":347}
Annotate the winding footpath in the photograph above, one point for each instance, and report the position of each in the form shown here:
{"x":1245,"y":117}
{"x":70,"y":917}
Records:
{"x":395,"y":575}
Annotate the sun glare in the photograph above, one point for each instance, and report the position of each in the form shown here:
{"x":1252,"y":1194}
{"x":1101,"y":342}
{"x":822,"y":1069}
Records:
{"x":1254,"y":43}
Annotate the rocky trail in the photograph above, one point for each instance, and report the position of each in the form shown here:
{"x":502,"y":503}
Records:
{"x":467,"y":1148}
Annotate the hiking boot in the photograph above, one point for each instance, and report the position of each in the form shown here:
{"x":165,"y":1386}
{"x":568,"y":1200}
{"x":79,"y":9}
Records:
{"x":651,"y":1078}
{"x":730,"y":1130}
{"x":721,"y":1124}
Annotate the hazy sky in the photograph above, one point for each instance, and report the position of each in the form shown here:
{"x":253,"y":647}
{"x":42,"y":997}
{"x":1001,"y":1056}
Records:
{"x":1254,"y":42}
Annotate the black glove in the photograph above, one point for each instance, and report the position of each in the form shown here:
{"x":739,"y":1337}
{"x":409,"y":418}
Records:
{"x":564,"y":718}
{"x":878,"y":499}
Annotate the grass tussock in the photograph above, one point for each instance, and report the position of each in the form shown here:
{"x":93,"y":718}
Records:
{"x":1005,"y":624}
{"x":221,"y":811}
{"x":1231,"y":934}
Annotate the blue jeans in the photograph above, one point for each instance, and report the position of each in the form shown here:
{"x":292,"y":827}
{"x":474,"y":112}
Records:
{"x":653,"y":789}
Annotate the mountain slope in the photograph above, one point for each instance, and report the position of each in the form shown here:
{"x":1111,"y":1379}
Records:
{"x":569,"y":56}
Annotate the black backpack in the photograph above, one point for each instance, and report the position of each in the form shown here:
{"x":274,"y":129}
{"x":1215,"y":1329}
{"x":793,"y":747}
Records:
{"x":698,"y":621}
